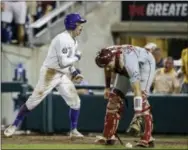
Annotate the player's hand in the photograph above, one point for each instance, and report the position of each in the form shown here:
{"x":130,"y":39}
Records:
{"x":78,"y":78}
{"x":106,"y":93}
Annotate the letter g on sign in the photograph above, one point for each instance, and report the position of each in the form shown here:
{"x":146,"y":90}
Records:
{"x":150,"y":9}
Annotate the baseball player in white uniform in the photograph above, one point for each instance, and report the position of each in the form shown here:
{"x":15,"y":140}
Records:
{"x":54,"y":72}
{"x":134,"y":66}
{"x":17,"y":10}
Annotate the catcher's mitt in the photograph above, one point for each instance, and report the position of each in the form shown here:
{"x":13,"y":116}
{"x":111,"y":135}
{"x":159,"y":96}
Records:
{"x":136,"y":127}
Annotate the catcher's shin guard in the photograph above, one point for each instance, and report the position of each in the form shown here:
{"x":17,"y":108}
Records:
{"x":146,"y":139}
{"x":148,"y":121}
{"x":148,"y":127}
{"x":137,"y":125}
{"x":111,"y":124}
{"x":113,"y":113}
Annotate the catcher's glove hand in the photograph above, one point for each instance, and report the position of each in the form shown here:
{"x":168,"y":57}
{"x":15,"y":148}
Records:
{"x":136,"y":127}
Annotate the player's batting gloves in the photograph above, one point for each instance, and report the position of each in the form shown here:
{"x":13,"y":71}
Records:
{"x":74,"y":74}
{"x":137,"y":104}
{"x":76,"y":77}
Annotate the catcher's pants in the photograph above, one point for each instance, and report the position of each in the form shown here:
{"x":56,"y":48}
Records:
{"x":49,"y":79}
{"x":147,"y":72}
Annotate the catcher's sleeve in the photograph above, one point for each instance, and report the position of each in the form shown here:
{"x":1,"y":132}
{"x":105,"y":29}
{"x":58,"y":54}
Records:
{"x":132,"y":66}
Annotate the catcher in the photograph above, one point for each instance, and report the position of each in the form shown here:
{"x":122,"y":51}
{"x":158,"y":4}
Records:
{"x":134,"y":66}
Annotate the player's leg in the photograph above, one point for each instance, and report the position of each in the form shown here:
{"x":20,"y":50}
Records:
{"x":47,"y":81}
{"x":20,"y":12}
{"x":147,"y":75}
{"x":8,"y":8}
{"x":68,"y":91}
{"x":114,"y":110}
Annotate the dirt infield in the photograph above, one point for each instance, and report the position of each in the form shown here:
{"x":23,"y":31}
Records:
{"x":62,"y":139}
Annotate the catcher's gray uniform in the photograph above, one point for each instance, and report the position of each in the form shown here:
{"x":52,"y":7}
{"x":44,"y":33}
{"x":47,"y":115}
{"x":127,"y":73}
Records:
{"x":131,"y":64}
{"x":140,"y":65}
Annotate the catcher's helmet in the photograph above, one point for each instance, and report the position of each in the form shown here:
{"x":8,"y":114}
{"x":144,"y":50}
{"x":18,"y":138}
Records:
{"x":104,"y":57}
{"x":71,"y":20}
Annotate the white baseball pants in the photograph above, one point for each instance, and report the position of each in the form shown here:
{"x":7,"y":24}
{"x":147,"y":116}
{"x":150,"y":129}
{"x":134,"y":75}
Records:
{"x":49,"y":79}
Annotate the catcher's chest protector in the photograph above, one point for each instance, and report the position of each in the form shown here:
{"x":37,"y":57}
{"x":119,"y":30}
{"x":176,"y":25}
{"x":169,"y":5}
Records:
{"x":118,"y":69}
{"x":121,"y":71}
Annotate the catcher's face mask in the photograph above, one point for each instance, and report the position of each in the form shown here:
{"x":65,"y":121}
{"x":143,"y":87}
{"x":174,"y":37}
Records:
{"x":104,"y":57}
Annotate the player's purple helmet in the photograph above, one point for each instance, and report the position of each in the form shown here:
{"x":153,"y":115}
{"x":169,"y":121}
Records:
{"x":71,"y":20}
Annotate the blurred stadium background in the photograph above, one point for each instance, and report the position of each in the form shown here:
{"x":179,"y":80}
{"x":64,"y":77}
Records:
{"x":127,"y":22}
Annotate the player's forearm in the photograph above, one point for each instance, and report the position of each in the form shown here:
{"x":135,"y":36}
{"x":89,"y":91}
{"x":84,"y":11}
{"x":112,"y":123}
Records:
{"x":65,"y":62}
{"x":136,"y":88}
{"x":135,"y":80}
{"x":137,"y":96}
{"x":108,"y":76}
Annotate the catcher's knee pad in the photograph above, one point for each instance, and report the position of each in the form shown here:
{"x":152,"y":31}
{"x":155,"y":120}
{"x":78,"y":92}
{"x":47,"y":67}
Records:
{"x":147,"y":121}
{"x":113,"y":113}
